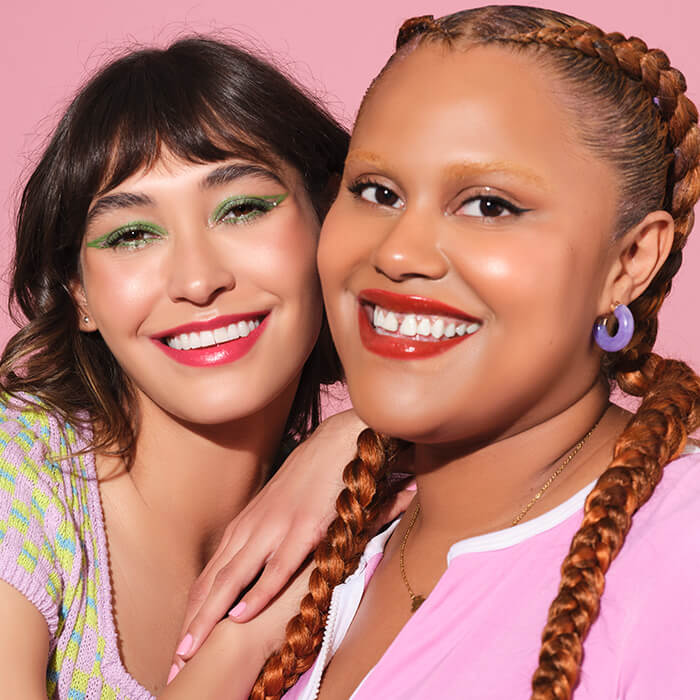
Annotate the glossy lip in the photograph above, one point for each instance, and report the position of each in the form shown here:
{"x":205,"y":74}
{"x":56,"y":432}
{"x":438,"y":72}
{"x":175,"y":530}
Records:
{"x":410,"y":304}
{"x":401,"y":348}
{"x":215,"y":354}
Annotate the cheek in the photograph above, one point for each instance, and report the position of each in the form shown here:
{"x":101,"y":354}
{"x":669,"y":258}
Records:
{"x":127,"y":284}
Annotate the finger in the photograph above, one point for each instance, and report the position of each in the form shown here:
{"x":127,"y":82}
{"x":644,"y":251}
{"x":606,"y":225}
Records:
{"x":177,"y":666}
{"x":231,"y":544}
{"x":277,"y":572}
{"x":226,"y":585}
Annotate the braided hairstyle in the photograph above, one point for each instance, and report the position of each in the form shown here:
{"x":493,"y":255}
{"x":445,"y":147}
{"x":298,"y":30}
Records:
{"x":646,"y":127}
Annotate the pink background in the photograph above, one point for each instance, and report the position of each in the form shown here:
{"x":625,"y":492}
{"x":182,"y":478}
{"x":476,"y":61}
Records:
{"x":48,"y":48}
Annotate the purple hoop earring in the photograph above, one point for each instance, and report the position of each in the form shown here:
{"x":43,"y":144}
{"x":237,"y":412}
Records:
{"x":625,"y":330}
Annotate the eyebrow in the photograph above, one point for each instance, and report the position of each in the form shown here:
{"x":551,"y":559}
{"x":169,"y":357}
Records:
{"x":228,"y":173}
{"x":118,"y":200}
{"x":219,"y":176}
{"x":466,"y":169}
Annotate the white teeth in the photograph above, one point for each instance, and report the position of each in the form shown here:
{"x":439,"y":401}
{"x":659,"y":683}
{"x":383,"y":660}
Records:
{"x":205,"y":339}
{"x":220,"y":335}
{"x":195,"y":342}
{"x":378,"y":317}
{"x":424,"y":327}
{"x":411,"y":325}
{"x":408,"y":326}
{"x":391,"y":323}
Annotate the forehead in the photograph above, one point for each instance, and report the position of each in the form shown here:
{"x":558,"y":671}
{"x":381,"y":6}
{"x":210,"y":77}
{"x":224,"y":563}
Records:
{"x":483,"y":103}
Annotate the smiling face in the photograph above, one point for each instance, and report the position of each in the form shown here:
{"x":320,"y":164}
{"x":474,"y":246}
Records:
{"x":201,"y":280}
{"x":466,"y":257}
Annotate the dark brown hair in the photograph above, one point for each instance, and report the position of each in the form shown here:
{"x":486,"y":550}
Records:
{"x":204,"y":101}
{"x":645,"y":126}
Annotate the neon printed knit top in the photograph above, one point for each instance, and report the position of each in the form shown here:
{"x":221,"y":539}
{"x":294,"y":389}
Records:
{"x":478,"y":633}
{"x":53,"y":551}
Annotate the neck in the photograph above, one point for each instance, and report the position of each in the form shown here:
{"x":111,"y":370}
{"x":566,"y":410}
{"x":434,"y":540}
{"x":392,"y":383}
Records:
{"x":470,"y":490}
{"x":187,"y":482}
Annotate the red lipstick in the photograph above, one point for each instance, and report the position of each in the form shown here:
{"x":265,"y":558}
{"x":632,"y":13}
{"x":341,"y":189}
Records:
{"x":406,"y":347}
{"x":213,"y":355}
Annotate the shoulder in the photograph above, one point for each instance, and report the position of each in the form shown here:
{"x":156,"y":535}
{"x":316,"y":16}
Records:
{"x":43,"y":501}
{"x":651,"y":589}
{"x":33,"y":436}
{"x":675,"y":502}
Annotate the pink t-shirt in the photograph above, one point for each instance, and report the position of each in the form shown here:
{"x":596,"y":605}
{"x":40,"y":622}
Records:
{"x":478,"y":633}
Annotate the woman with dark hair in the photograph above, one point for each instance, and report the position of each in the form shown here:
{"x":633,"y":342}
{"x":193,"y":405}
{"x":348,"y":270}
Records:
{"x":173,"y":353}
{"x":516,"y":197}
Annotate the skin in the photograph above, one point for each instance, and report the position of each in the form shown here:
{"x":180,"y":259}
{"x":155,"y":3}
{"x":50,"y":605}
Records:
{"x":211,"y":431}
{"x":494,"y":415}
{"x":195,"y":270}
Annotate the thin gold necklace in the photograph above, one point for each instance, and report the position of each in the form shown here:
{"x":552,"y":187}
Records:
{"x":417,"y":599}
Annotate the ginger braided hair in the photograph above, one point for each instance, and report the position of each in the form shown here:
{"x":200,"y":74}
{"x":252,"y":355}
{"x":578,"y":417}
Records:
{"x":645,"y":126}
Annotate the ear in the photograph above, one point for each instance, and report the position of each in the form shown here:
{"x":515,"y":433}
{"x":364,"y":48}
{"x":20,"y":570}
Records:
{"x":636,"y":258}
{"x":85,"y":321}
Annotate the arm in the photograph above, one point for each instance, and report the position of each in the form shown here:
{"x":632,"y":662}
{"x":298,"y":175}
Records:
{"x":229,"y":661}
{"x":277,"y":530}
{"x":24,"y":647}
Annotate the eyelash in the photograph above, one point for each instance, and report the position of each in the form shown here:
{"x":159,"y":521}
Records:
{"x":117,"y":238}
{"x":356,"y":188}
{"x":226,"y":208}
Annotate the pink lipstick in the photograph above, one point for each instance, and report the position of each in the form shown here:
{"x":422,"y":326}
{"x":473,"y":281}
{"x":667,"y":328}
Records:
{"x":218,"y":341}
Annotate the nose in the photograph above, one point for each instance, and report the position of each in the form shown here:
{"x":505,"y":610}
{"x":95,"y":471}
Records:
{"x":198,"y":274}
{"x":410,"y":248}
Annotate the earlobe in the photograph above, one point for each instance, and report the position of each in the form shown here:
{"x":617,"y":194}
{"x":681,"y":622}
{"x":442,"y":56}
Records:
{"x":640,"y":254}
{"x":85,"y":320}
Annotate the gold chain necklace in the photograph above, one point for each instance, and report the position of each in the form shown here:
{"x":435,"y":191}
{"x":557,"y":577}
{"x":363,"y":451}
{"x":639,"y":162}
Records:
{"x":417,"y":599}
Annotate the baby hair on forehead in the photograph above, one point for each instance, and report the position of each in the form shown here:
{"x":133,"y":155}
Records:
{"x":654,"y":126}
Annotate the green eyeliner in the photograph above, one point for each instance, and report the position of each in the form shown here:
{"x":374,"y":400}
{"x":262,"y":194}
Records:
{"x":111,"y":239}
{"x":267,"y":202}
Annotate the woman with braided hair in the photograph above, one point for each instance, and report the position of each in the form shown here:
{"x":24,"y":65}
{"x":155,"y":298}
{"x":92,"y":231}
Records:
{"x":515,"y":177}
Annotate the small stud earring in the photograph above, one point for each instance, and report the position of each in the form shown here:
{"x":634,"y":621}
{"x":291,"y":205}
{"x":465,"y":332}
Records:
{"x":86,"y":319}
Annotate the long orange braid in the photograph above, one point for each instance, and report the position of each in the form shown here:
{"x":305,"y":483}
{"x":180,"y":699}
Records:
{"x":670,"y":390}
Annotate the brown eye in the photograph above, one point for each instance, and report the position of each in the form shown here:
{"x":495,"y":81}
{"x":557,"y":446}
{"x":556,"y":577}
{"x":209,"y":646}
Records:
{"x":377,"y":194}
{"x":490,"y":207}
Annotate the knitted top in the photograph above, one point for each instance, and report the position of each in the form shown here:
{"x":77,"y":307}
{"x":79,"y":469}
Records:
{"x":53,"y":550}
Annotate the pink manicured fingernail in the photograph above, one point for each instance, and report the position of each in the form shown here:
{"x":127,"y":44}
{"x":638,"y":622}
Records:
{"x":174,"y":670}
{"x":237,"y":610}
{"x":185,"y":645}
{"x":412,"y":487}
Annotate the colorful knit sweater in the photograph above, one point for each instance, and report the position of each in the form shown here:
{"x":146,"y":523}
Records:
{"x":53,"y":550}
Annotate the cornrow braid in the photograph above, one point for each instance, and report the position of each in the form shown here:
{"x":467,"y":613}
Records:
{"x":666,"y":86}
{"x":671,"y":390}
{"x":666,"y":141}
{"x":367,"y":488}
{"x":416,"y":26}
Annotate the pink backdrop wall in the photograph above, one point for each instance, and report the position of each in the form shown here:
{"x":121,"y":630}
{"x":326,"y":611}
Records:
{"x":48,"y":48}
